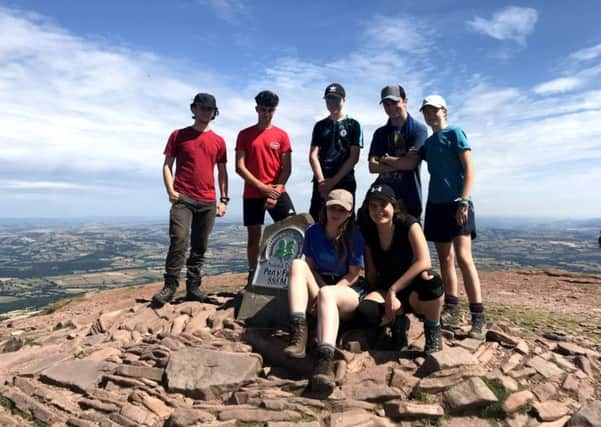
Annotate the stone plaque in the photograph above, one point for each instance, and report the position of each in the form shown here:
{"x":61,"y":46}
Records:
{"x":265,"y":301}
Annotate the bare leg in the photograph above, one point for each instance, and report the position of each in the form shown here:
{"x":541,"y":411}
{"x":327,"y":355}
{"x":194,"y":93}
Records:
{"x":302,"y":286}
{"x":446,"y":257}
{"x":471,"y":281}
{"x":252,"y":245}
{"x":429,"y":309}
{"x":333,"y":303}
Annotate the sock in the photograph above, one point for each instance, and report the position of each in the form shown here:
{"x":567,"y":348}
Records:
{"x":325,"y":348}
{"x":451,"y":299}
{"x":298,"y":316}
{"x":431,"y":324}
{"x":477,"y":307}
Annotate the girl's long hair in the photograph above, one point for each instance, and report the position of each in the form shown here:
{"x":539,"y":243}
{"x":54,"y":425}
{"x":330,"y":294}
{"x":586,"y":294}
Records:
{"x":367,"y":226}
{"x":343,"y":236}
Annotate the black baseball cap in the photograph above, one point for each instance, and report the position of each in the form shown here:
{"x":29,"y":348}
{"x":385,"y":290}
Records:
{"x":381,"y":191}
{"x":334,"y":89}
{"x":267,"y":98}
{"x":205,"y":100}
{"x":392,"y":92}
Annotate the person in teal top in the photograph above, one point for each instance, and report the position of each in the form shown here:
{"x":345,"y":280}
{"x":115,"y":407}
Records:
{"x":450,"y":219}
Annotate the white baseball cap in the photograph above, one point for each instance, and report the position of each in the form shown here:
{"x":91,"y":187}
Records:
{"x":436,"y":101}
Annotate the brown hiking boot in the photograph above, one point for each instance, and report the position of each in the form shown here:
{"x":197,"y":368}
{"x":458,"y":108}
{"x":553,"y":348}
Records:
{"x":193,"y":292}
{"x":450,"y":317}
{"x":298,"y":339}
{"x":478,"y":330}
{"x":165,"y":295}
{"x":324,"y":378}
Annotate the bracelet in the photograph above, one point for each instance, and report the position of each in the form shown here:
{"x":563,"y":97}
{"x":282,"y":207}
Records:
{"x":462,"y":201}
{"x":224,"y":200}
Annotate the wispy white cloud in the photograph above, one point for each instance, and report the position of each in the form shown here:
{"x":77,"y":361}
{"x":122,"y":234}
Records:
{"x":78,"y":116}
{"x":512,"y":23}
{"x":227,"y":10}
{"x":587,"y":54}
{"x":560,"y":85}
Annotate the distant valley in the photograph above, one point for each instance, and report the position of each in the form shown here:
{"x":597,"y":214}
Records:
{"x":44,"y":261}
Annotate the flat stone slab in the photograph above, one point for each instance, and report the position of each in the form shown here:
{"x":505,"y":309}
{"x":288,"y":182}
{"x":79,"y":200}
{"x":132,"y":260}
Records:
{"x":545,"y":368}
{"x":155,"y":374}
{"x":469,"y":395}
{"x":588,"y":415}
{"x":449,"y":357}
{"x":207,"y":374}
{"x":396,"y":409}
{"x":81,"y":376}
{"x":516,"y":400}
{"x":550,"y":410}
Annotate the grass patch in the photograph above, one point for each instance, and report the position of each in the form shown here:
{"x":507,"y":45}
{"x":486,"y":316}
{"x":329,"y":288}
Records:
{"x":64,"y":325}
{"x":535,"y":321}
{"x":8,"y":404}
{"x":494,"y":410}
{"x":57,"y":305}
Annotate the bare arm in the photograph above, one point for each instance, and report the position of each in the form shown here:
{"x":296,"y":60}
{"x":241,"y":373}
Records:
{"x":465,"y":157}
{"x":371,"y":274}
{"x":350,"y":277}
{"x":285,"y":169}
{"x":314,"y":162}
{"x":168,"y":178}
{"x":222,"y":180}
{"x":242,"y":170}
{"x":422,"y":259}
{"x":376,"y":166}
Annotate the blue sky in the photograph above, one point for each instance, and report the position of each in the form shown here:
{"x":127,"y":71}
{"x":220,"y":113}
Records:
{"x":89,"y":92}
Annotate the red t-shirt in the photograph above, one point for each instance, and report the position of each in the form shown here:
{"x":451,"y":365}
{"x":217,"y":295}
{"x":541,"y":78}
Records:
{"x":263,"y":149}
{"x":196,"y":154}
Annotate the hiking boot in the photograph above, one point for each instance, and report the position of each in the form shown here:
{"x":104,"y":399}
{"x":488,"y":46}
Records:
{"x":450,"y":317}
{"x":193,"y":292}
{"x":298,"y":339}
{"x":324,"y":378}
{"x":478,"y":330}
{"x":433,"y":341}
{"x":398,"y":330}
{"x":165,"y":295}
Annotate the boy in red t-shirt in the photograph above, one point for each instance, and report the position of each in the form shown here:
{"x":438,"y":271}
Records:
{"x":263,"y":160}
{"x":195,"y":150}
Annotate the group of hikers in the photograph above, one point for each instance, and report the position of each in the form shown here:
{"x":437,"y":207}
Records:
{"x":384,"y":239}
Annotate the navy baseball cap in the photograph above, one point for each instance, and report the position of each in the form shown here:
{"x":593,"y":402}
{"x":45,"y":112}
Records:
{"x":334,"y":89}
{"x":381,"y":191}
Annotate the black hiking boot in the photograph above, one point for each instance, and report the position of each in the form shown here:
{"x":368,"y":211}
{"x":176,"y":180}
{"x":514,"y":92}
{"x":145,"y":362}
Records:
{"x":323,"y":380}
{"x":298,"y":339}
{"x":398,"y":330}
{"x":433,"y":341}
{"x":450,"y":317}
{"x":193,"y":292}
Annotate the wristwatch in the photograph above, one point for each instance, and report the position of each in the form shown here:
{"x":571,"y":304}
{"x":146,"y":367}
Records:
{"x":224,"y":200}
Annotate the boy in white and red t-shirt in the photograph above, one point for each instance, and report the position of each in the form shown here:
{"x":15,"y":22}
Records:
{"x":263,"y":160}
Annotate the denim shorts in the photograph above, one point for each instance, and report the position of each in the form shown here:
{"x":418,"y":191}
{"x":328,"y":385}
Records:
{"x":359,"y":286}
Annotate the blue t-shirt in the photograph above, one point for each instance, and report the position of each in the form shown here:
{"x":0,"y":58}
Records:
{"x":394,"y":141}
{"x":441,"y":151}
{"x":323,"y":253}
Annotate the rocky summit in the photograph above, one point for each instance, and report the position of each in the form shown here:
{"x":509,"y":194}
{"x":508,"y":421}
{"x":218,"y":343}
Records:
{"x":110,"y":359}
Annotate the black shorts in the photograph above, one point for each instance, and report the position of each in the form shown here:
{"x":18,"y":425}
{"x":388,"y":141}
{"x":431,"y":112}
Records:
{"x":253,"y":210}
{"x":440,"y":224}
{"x":427,"y":290}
